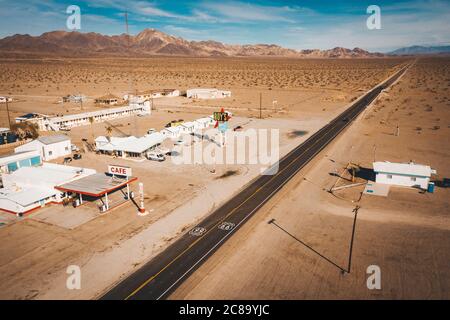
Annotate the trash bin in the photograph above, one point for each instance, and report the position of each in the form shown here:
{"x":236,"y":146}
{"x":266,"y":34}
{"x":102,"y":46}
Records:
{"x":431,"y":187}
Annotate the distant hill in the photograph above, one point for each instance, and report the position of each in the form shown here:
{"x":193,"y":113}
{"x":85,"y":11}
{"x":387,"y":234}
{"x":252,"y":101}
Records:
{"x":152,"y":42}
{"x":415,"y":50}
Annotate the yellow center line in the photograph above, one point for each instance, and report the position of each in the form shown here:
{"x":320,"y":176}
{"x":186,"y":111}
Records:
{"x":218,"y":223}
{"x":231,"y":212}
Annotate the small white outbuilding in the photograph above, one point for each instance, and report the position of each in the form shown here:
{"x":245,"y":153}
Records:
{"x":50,"y":147}
{"x":207,"y":93}
{"x":403,"y":174}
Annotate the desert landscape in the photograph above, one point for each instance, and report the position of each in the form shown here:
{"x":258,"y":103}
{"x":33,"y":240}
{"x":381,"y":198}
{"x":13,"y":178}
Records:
{"x":308,"y":93}
{"x":299,"y":254}
{"x":314,"y":239}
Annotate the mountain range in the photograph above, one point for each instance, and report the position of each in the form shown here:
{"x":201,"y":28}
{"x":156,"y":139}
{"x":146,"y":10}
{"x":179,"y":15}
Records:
{"x":151,"y":42}
{"x":414,"y":50}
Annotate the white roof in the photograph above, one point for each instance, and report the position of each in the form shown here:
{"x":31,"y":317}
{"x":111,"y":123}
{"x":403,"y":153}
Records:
{"x":172,"y":129}
{"x":202,"y":90}
{"x":53,"y":138}
{"x":31,"y":184}
{"x":189,"y":124}
{"x":25,"y":196}
{"x":410,"y":169}
{"x":95,"y":113}
{"x":48,"y":173}
{"x":131,"y":144}
{"x":204,"y":120}
{"x":18,"y":156}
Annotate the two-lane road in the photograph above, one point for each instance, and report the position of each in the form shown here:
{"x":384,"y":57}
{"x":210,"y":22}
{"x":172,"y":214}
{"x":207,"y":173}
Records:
{"x":160,"y":276}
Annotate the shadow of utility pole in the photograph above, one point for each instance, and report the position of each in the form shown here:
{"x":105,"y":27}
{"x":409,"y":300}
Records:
{"x":343,"y":270}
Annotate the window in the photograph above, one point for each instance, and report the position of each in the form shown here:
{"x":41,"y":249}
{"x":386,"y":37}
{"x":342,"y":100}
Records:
{"x":413,"y":179}
{"x":67,"y":148}
{"x":50,"y":153}
{"x":389,"y":176}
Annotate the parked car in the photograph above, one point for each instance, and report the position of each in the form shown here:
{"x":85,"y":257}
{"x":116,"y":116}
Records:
{"x":156,"y":156}
{"x":67,"y":160}
{"x":77,"y":156}
{"x":74,"y":148}
{"x":152,"y":130}
{"x":178,"y":142}
{"x":163,"y":150}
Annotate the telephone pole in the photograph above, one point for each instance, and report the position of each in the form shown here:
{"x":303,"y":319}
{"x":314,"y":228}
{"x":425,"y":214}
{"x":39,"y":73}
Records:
{"x":260,"y":105}
{"x":7,"y":111}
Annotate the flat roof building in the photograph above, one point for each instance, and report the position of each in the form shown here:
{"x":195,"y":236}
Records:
{"x":403,"y":174}
{"x":129,"y":147}
{"x":46,"y":123}
{"x":207,"y":93}
{"x":15,"y":161}
{"x":109,"y":99}
{"x":30,"y":188}
{"x":49,"y":147}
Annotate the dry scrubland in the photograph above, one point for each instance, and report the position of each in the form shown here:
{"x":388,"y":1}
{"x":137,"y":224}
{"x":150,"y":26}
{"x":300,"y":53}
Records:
{"x":19,"y":76}
{"x":299,"y":86}
{"x":270,"y":265}
{"x":406,"y":234}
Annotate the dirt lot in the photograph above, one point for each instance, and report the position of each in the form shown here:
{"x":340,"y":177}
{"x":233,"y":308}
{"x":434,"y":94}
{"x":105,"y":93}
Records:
{"x":34,"y":253}
{"x":406,"y":234}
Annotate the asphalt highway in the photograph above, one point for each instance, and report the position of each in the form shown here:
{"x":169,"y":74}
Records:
{"x":164,"y":273}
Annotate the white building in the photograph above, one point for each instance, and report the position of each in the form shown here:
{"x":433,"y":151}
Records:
{"x":152,"y":94}
{"x":15,"y":161}
{"x":131,"y":147}
{"x":204,"y":123}
{"x":30,"y":188}
{"x":46,"y":123}
{"x":188,"y":127}
{"x":50,"y":147}
{"x":207,"y":93}
{"x":171,"y":132}
{"x":403,"y":174}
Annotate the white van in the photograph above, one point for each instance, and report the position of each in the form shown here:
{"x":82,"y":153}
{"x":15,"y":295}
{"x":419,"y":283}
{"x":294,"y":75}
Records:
{"x":155,"y":156}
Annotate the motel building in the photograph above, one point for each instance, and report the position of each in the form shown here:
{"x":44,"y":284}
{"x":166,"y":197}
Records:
{"x":152,"y":94}
{"x":49,"y":147}
{"x":129,"y":147}
{"x":46,"y":123}
{"x":403,"y":174}
{"x":171,"y":132}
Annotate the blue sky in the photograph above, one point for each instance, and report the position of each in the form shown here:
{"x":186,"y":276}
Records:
{"x":307,"y":24}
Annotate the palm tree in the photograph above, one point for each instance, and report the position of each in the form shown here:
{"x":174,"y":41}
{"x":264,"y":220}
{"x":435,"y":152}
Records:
{"x":109,"y":130}
{"x":91,"y":121}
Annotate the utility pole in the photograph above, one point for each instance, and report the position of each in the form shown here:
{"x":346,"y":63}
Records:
{"x":260,"y":105}
{"x":7,"y":111}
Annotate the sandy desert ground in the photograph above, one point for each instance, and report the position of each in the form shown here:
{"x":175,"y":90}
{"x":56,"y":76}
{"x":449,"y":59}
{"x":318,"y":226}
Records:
{"x":36,"y":251}
{"x":406,"y":234}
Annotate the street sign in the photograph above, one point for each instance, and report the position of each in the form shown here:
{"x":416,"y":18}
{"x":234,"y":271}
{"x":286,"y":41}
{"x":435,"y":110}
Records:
{"x":221,"y":116}
{"x":120,"y":171}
